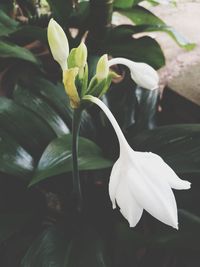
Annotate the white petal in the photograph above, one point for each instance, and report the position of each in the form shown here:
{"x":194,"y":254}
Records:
{"x":167,"y":173}
{"x":151,"y":191}
{"x":128,"y":205}
{"x":143,"y":74}
{"x":114,"y":181}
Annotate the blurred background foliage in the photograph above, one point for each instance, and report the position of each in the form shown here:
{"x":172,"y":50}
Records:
{"x":37,"y":224}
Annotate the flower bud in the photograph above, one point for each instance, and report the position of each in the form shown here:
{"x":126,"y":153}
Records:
{"x":78,"y":56}
{"x":102,"y":69}
{"x":58,"y":43}
{"x":143,"y":74}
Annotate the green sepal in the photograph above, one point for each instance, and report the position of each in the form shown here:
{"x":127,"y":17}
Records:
{"x":98,"y":88}
{"x":71,"y":60}
{"x":84,"y":81}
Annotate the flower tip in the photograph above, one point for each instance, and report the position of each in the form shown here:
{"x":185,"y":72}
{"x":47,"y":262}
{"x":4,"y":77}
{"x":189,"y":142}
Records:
{"x":102,"y":68}
{"x":114,"y":206}
{"x":176,"y":226}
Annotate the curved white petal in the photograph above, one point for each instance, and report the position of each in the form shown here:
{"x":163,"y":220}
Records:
{"x":167,"y":173}
{"x":128,"y":205}
{"x":151,"y":191}
{"x":114,"y":182}
{"x":143,"y":74}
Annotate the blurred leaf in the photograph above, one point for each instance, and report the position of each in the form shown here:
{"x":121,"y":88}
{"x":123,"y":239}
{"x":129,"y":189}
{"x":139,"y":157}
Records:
{"x":7,"y":6}
{"x":28,"y":7}
{"x":30,"y":34}
{"x":125,"y":3}
{"x":36,"y":104}
{"x":120,"y":43}
{"x":179,"y":145}
{"x":80,"y":15}
{"x":61,"y":10}
{"x":57,"y":158}
{"x":14,"y":51}
{"x":7,"y":25}
{"x":13,"y":158}
{"x":58,"y":247}
{"x":11,"y":223}
{"x":25,"y":127}
{"x":150,"y":22}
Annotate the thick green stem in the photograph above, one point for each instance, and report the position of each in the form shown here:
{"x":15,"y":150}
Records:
{"x":77,"y":193}
{"x":100,"y":20}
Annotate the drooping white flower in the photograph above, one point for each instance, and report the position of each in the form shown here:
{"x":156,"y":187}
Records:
{"x":58,"y":43}
{"x":143,"y":74}
{"x":141,"y":181}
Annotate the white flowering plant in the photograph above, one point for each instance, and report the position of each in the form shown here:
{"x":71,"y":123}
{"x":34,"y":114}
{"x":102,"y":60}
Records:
{"x":91,"y":177}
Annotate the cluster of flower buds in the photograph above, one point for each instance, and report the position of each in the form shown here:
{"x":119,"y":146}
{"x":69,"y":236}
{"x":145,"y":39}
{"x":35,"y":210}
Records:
{"x":75,"y":68}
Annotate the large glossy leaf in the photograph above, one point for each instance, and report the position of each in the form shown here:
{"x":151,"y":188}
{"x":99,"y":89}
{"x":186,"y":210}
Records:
{"x":57,"y":158}
{"x":141,"y":16}
{"x":13,"y":158}
{"x":8,"y":50}
{"x":10,"y":223}
{"x":49,"y":249}
{"x":179,"y":145}
{"x":58,"y":247}
{"x":32,"y":102}
{"x":120,"y":43}
{"x":30,"y":131}
{"x":7,"y":25}
{"x":55,"y":96}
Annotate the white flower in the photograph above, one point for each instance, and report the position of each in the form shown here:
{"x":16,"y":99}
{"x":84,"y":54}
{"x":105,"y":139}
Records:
{"x":141,"y":180}
{"x":58,"y":43}
{"x":143,"y":74}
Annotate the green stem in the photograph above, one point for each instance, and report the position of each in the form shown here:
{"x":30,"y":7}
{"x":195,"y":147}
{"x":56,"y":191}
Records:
{"x":77,"y":193}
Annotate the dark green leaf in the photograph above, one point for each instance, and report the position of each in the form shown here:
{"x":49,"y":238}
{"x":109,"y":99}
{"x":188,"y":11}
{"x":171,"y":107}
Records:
{"x":58,"y":247}
{"x":55,"y":96}
{"x":49,"y":249}
{"x":150,"y":22}
{"x":57,"y":158}
{"x":13,"y":51}
{"x":179,"y":145}
{"x":13,"y":158}
{"x":10,"y":223}
{"x":24,"y":126}
{"x":36,"y":104}
{"x":7,"y":25}
{"x":120,"y":43}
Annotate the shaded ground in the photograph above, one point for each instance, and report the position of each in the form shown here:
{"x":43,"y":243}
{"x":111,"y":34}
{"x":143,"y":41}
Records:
{"x":182,"y":70}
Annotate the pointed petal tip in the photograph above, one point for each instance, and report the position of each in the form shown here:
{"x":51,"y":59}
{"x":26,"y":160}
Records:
{"x":176,"y":226}
{"x":186,"y":185}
